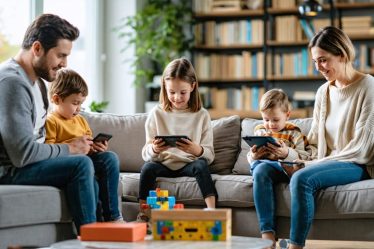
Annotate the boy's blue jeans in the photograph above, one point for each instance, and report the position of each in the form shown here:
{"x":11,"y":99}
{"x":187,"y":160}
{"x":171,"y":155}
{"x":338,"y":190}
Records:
{"x":107,"y":176}
{"x":76,"y":175}
{"x":304,"y":184}
{"x":198,"y":169}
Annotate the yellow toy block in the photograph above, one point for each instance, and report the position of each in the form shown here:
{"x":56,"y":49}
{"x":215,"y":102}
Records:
{"x":191,"y":224}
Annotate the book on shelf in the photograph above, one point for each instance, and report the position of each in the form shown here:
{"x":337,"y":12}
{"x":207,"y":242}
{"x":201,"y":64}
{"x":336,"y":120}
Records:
{"x":227,"y":5}
{"x":357,"y":25}
{"x":304,"y":95}
{"x":242,"y":99}
{"x":240,"y":32}
{"x":364,"y":57}
{"x":320,"y":23}
{"x":303,"y":99}
{"x":229,"y":66}
{"x":287,"y":29}
{"x":291,"y":64}
{"x":208,"y":6}
{"x":283,"y":4}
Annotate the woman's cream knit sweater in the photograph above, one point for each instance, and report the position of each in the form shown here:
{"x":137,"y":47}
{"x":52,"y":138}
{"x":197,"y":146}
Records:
{"x":355,"y":135}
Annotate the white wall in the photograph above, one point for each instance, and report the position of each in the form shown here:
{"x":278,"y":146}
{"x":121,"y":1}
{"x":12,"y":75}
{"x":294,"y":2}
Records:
{"x":118,"y":86}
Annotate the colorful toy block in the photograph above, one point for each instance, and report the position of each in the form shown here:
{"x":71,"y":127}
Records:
{"x":191,"y":224}
{"x":160,"y":199}
{"x":118,"y":232}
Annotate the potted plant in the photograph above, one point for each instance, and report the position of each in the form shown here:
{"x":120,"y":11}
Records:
{"x":98,"y":106}
{"x":160,"y":33}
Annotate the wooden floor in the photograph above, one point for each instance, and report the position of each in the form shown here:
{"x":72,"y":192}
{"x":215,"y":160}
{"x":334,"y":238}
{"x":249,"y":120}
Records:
{"x":329,"y":244}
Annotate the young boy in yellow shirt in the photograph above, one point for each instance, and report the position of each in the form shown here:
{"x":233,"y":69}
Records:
{"x":67,"y":92}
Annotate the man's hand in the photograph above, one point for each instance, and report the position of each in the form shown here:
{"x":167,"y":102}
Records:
{"x":190,"y":147}
{"x":80,"y":145}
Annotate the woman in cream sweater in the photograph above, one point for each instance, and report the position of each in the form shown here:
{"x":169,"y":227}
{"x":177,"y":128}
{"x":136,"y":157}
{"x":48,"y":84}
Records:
{"x":342,"y":131}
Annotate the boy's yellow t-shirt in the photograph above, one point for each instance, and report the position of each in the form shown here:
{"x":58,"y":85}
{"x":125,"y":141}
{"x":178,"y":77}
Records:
{"x":61,"y":130}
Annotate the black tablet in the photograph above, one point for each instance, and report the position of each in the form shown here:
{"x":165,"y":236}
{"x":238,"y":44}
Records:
{"x":101,"y":137}
{"x":260,"y":140}
{"x":291,"y":164}
{"x":171,"y":140}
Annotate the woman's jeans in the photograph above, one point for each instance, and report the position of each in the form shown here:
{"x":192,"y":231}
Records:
{"x":304,"y":184}
{"x":198,"y":169}
{"x":76,"y":175}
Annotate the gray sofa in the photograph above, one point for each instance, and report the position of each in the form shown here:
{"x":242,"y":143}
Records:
{"x":34,"y":215}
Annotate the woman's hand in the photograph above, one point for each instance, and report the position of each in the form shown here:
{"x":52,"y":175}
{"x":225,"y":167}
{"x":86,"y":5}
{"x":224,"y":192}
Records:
{"x":190,"y":147}
{"x":158,"y":145}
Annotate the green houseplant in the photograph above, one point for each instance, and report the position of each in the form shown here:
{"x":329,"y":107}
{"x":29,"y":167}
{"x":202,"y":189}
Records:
{"x":98,"y":106}
{"x":160,"y":32}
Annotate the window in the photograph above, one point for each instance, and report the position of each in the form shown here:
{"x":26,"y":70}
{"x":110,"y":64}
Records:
{"x":14,"y":19}
{"x":83,"y":58}
{"x":75,"y":13}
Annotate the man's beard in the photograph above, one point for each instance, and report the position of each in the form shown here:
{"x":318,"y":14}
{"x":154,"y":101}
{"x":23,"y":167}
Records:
{"x":41,"y":69}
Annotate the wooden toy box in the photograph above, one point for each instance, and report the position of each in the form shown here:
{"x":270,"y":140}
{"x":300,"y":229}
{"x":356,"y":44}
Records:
{"x":191,"y":224}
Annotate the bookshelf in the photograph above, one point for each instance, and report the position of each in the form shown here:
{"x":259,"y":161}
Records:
{"x":227,"y":43}
{"x":239,"y":53}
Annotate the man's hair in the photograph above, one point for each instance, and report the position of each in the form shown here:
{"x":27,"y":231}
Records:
{"x":275,"y":98}
{"x":334,"y":41}
{"x":68,"y":82}
{"x":48,"y":29}
{"x":183,"y":70}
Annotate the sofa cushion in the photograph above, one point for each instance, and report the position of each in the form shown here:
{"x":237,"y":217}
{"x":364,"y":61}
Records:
{"x":28,"y":205}
{"x":241,"y":166}
{"x":233,"y":190}
{"x":128,"y":136}
{"x":354,"y":200}
{"x":226,"y":135}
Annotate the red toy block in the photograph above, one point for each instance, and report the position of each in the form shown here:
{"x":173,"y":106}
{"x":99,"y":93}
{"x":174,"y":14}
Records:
{"x":107,"y":231}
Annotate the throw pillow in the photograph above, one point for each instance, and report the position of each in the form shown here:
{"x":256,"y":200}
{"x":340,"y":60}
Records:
{"x":226,"y":134}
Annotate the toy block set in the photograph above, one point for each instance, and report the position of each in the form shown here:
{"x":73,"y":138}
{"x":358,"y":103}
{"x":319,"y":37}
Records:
{"x":191,"y":224}
{"x":160,"y":199}
{"x":116,"y":232}
{"x":170,"y":221}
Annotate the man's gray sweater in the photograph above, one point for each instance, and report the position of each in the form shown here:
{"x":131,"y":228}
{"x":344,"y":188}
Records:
{"x":18,"y":146}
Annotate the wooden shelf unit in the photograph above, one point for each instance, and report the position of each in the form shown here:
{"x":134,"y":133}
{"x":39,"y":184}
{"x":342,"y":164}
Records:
{"x":268,"y":46}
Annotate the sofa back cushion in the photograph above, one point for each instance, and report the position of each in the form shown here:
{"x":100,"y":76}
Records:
{"x":129,"y":138}
{"x":226,"y":141}
{"x":241,"y":166}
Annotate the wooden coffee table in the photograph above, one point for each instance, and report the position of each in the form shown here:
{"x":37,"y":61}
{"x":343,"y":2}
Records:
{"x":236,"y":242}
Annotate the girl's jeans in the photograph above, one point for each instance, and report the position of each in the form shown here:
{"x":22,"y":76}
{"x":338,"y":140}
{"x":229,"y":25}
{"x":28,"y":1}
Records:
{"x":76,"y":175}
{"x":304,"y":184}
{"x":198,"y":169}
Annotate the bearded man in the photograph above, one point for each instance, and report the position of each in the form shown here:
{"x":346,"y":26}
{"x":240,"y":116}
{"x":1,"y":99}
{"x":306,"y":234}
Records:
{"x":24,"y":157}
